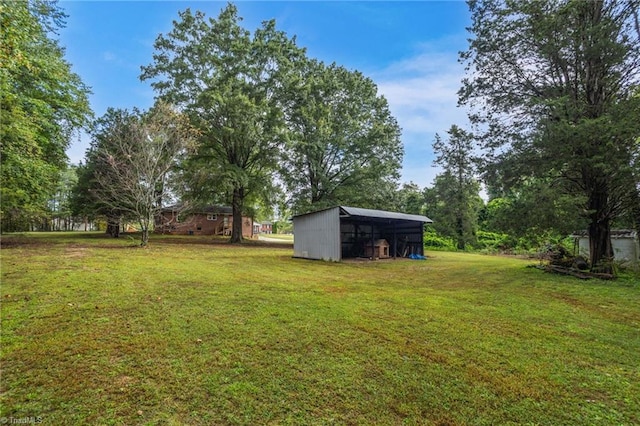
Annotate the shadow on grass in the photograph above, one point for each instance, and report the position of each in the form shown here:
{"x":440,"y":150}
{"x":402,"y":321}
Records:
{"x":125,"y":240}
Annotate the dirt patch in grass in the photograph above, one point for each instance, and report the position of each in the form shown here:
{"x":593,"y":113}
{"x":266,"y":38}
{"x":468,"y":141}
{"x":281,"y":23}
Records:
{"x":75,"y":252}
{"x":124,"y":381}
{"x":335,"y":291}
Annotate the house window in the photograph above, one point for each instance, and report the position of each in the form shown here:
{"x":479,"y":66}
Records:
{"x":212,"y":216}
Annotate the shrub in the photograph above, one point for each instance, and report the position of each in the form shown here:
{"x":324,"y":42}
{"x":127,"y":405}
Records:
{"x":434,"y":241}
{"x":495,"y":242}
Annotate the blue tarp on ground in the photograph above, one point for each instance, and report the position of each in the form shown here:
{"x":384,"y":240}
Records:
{"x":417,"y":257}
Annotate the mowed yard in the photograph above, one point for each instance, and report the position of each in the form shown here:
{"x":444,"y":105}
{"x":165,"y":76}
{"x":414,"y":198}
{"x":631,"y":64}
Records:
{"x":192,"y":331}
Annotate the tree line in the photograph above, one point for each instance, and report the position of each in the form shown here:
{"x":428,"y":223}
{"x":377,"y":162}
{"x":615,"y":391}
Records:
{"x":248,"y":119}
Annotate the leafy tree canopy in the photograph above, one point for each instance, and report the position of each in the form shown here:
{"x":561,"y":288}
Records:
{"x":534,"y":210}
{"x":343,"y":144}
{"x":454,"y":201}
{"x":410,"y":199}
{"x":550,"y":87}
{"x":41,"y":103}
{"x":133,"y":156}
{"x":226,"y":80}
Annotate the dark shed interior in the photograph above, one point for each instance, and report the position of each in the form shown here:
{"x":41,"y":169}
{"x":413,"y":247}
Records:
{"x":360,"y":229}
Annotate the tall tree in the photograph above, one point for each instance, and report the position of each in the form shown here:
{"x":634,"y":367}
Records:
{"x":550,"y":85}
{"x":82,"y":203}
{"x":343,"y":144}
{"x":410,"y":199}
{"x":443,"y":208}
{"x":134,"y":155}
{"x":41,"y":103}
{"x":456,"y":190}
{"x":111,"y":126}
{"x":225,"y":79}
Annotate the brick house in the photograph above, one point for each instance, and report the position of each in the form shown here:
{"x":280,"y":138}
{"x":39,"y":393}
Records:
{"x":262,"y":228}
{"x":210,"y":220}
{"x":266,"y":228}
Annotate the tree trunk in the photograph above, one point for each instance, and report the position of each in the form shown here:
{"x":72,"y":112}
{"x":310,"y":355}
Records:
{"x":600,"y":247}
{"x":635,"y":212}
{"x":145,"y":224}
{"x":145,"y":236}
{"x":460,"y":232}
{"x":462,"y":205}
{"x":113,"y":226}
{"x":236,"y":206}
{"x":601,"y":251}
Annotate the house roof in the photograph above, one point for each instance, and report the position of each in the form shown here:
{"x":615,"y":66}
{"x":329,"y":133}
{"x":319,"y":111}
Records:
{"x":205,"y":209}
{"x":346,"y":211}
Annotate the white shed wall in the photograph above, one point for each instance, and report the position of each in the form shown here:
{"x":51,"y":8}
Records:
{"x":583,"y":247}
{"x":625,"y":250}
{"x":317,"y":235}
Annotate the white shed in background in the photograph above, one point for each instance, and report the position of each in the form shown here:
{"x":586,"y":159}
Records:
{"x":626,"y":248}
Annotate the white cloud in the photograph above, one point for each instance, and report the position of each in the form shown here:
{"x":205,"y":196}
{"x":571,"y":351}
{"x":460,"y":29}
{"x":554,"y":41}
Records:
{"x":109,"y":56}
{"x":422,"y":94}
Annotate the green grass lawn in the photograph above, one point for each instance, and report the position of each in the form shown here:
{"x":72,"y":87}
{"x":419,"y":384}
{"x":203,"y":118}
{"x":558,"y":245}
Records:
{"x":192,"y":331}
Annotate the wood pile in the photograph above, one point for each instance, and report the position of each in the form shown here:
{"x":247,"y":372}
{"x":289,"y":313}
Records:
{"x":583,"y":275}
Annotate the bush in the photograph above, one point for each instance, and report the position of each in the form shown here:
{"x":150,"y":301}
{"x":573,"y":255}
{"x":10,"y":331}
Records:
{"x":434,"y":241}
{"x":495,"y":242}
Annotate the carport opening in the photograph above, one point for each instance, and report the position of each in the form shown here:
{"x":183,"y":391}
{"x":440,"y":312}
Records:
{"x":364,"y":237}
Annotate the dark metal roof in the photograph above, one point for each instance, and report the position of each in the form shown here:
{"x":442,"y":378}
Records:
{"x":370,"y":213}
{"x":381,"y":214}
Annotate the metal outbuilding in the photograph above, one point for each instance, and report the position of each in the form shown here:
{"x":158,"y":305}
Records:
{"x":625,"y":244}
{"x":351,"y":232}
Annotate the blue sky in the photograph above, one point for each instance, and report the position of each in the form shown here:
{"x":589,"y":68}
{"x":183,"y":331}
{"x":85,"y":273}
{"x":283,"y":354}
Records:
{"x":410,"y":49}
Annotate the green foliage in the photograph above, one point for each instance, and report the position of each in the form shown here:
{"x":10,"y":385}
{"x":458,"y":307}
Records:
{"x":453,"y":216}
{"x":433,"y":241}
{"x":41,"y":103}
{"x":533,"y":208}
{"x":82,"y":202}
{"x":551,"y":90}
{"x":132,"y":159}
{"x":60,"y":204}
{"x":494,"y":242}
{"x":410,"y":199}
{"x":343,"y":145}
{"x":454,"y":201}
{"x":226,"y":80}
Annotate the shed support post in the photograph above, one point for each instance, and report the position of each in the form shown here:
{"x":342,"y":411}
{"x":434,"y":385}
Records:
{"x":395,"y":242}
{"x":373,"y":254}
{"x":355,"y":247}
